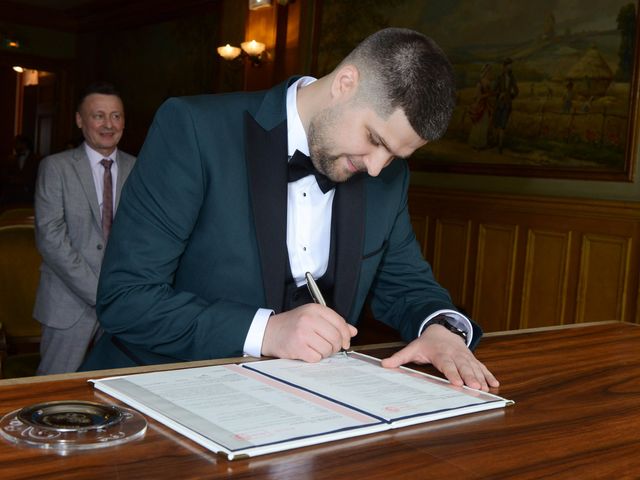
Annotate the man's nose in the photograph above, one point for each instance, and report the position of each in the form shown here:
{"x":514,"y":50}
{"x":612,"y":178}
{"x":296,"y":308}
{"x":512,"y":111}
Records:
{"x":376,"y":161}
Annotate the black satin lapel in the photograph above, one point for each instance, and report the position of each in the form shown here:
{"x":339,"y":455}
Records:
{"x":267,"y":169}
{"x":349,"y":221}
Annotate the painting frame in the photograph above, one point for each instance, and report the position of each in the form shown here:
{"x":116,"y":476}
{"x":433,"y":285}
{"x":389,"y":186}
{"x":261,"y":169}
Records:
{"x":586,"y":141}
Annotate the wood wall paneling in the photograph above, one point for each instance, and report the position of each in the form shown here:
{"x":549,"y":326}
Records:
{"x":604,"y":275}
{"x":546,"y":276}
{"x":495,"y":271}
{"x":525,"y":261}
{"x":451,"y":257}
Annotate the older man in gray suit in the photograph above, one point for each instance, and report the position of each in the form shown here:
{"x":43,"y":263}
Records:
{"x":77,"y":193}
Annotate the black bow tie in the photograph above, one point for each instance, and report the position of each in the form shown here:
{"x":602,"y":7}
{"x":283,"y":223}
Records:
{"x":300,"y":166}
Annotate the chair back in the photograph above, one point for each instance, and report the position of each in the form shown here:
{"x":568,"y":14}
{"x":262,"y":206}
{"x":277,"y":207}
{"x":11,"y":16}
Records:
{"x":17,"y":216}
{"x":19,"y":274}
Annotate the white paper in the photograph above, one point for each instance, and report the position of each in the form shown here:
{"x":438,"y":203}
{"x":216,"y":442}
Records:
{"x":263,"y":407}
{"x":234,"y":407}
{"x":361,"y":382}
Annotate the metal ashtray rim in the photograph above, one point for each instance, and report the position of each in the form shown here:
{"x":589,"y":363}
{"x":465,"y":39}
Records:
{"x":38,"y":415}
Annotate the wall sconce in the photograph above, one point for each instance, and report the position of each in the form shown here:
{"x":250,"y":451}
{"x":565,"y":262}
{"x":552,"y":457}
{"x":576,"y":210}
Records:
{"x":256,"y":4}
{"x":228,"y":52}
{"x":29,"y":77}
{"x":252,"y":49}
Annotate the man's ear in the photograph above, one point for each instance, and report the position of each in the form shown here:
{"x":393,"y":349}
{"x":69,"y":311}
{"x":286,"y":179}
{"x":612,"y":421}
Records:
{"x":78,"y":120}
{"x":345,"y":82}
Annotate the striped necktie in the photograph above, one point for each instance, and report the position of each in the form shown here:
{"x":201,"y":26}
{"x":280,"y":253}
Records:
{"x":107,"y":198}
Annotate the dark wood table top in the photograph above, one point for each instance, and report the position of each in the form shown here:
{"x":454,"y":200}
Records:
{"x":577,"y":415}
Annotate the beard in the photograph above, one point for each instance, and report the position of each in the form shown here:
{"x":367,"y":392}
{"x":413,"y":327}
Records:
{"x":321,"y":146}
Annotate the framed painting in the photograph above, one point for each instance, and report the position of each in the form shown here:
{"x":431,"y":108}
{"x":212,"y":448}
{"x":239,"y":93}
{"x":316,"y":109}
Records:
{"x":545,"y":89}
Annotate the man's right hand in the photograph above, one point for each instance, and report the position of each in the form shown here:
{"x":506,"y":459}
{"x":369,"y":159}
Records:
{"x":310,"y":333}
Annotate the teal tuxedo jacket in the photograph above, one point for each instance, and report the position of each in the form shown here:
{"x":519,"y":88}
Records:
{"x":199,"y":242}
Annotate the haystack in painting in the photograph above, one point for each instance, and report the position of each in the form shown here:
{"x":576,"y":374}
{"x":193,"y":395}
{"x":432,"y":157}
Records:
{"x":590,"y":75}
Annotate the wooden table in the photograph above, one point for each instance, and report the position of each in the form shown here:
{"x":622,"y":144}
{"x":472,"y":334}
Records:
{"x":577,"y":415}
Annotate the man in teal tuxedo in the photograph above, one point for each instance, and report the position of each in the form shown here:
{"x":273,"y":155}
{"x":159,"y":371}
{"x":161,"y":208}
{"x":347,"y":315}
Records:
{"x":219,"y":221}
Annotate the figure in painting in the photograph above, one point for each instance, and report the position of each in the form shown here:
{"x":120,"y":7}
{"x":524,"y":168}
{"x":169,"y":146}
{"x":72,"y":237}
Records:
{"x":506,"y":90}
{"x":567,"y":102}
{"x":481,"y":111}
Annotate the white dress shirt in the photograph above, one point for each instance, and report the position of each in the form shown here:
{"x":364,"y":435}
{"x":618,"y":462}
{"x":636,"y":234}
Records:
{"x":98,"y":173}
{"x":309,"y":228}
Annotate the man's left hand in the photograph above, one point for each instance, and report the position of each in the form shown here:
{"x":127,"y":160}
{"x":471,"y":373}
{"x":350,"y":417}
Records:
{"x":448,"y":353}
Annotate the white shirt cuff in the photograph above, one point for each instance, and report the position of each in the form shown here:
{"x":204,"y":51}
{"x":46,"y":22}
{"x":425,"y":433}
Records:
{"x":255,"y":335}
{"x":456,"y":319}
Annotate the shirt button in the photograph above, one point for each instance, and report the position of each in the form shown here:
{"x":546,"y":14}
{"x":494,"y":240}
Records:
{"x":304,"y":194}
{"x":304,"y":249}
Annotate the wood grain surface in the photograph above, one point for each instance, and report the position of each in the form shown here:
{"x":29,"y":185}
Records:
{"x":577,"y":415}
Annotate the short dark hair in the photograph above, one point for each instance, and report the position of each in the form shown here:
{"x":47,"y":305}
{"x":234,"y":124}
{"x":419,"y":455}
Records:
{"x":402,"y":68}
{"x":103,"y":88}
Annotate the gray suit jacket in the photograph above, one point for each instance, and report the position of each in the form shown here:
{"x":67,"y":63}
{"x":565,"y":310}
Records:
{"x":69,"y":237}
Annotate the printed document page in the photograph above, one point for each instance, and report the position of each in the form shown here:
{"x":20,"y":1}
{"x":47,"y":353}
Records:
{"x":274,"y":405}
{"x":390,"y":394}
{"x":233,"y":407}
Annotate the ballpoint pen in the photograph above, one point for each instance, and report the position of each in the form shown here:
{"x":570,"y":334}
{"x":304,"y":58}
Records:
{"x":316,"y":294}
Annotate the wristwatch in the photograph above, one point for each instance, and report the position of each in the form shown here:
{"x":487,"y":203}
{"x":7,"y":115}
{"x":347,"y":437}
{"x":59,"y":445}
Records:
{"x":444,"y":321}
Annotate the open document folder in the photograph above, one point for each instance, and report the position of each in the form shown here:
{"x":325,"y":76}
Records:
{"x":262,"y":407}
